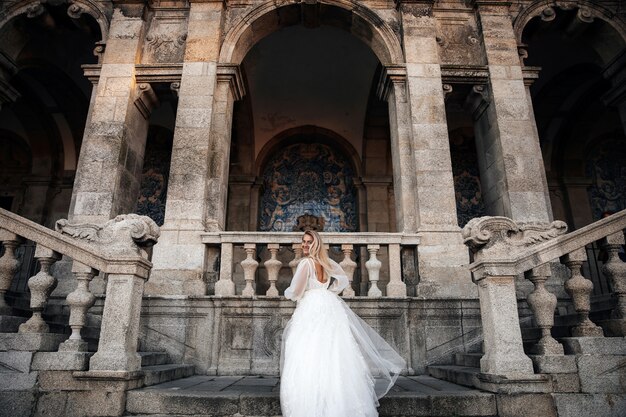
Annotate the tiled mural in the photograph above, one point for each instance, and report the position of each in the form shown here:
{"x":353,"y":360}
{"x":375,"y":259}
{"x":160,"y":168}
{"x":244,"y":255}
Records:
{"x":308,"y":178}
{"x":606,"y":166}
{"x":469,"y":202}
{"x":156,"y":170}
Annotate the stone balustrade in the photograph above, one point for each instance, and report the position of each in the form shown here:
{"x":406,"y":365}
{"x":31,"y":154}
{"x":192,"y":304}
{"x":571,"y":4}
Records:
{"x":116,"y":249}
{"x":504,"y":249}
{"x":369,"y":246}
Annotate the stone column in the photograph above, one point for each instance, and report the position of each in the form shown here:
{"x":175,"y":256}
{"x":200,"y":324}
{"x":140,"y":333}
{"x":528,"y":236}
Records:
{"x":505,"y":132}
{"x":196,"y":198}
{"x":441,"y":251}
{"x":393,"y":89}
{"x":108,"y":175}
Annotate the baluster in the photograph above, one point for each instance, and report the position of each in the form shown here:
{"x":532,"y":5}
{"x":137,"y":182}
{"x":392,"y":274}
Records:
{"x":41,"y":285}
{"x":249,"y":266}
{"x":297,"y":249}
{"x":79,"y":300}
{"x":395,"y":288}
{"x":579,"y":288}
{"x":273,"y":266}
{"x":373,"y":271}
{"x":615,"y":270}
{"x":225,"y":285}
{"x":348,"y":266}
{"x":8,"y":266}
{"x":543,"y":302}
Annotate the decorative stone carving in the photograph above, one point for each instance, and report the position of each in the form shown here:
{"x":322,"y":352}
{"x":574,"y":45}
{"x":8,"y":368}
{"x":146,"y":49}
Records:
{"x":477,"y":101}
{"x":348,"y":266}
{"x":297,"y":250}
{"x":98,"y":51}
{"x":79,"y":300}
{"x":502,"y":238}
{"x":579,"y":288}
{"x":373,"y":266}
{"x":117,"y":237}
{"x":273,"y":266}
{"x":249,"y":266}
{"x":615,"y":270}
{"x":548,"y":14}
{"x":8,"y":266}
{"x":41,"y":285}
{"x":543,"y":303}
{"x":34,"y":10}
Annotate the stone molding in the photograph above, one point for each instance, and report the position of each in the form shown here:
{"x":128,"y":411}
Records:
{"x":144,"y":73}
{"x":231,"y":73}
{"x":146,"y":100}
{"x":390,"y":75}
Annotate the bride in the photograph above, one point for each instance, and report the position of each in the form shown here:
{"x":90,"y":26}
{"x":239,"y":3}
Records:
{"x":332,"y":363}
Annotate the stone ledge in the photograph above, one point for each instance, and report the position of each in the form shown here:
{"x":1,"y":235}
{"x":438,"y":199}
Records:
{"x":61,"y":361}
{"x":554,"y":364}
{"x":594,"y":345}
{"x":31,"y":342}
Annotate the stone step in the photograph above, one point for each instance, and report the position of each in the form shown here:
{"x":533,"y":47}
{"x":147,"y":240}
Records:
{"x":456,"y":374}
{"x":154,"y":358}
{"x":259,"y":396}
{"x":158,"y":374}
{"x":468,"y":359}
{"x":10,"y":324}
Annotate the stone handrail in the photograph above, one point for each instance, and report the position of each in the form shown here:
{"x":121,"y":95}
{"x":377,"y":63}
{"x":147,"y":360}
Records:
{"x":250,"y":240}
{"x":116,"y":248}
{"x":504,"y":249}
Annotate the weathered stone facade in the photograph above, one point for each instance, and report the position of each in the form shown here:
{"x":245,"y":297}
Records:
{"x":407,"y":119}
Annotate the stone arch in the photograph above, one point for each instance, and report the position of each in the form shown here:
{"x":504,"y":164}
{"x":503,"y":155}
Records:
{"x":586,"y":12}
{"x":268,"y":17}
{"x":324,"y":186}
{"x":101,"y":12}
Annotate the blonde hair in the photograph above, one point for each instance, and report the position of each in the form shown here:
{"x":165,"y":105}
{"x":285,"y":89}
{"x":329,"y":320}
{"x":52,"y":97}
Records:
{"x":318,"y":251}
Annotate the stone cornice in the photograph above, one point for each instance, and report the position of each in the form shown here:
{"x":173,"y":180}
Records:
{"x":231,"y":73}
{"x":390,"y":75}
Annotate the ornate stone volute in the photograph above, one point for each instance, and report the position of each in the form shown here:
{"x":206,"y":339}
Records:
{"x":500,"y":238}
{"x":125,"y":234}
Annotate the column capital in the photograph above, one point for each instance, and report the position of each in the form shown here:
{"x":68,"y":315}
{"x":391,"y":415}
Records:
{"x":231,"y":73}
{"x":390,"y":75}
{"x":477,"y":100}
{"x":146,"y":99}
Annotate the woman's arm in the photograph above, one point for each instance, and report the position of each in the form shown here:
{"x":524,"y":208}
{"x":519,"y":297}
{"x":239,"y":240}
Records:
{"x":341,"y":280}
{"x":298,"y":282}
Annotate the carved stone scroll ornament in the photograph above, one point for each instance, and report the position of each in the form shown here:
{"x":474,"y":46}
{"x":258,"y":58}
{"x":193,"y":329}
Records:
{"x":502,"y":238}
{"x":125,"y":234}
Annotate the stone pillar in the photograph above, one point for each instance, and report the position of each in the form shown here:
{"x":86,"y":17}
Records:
{"x":198,"y":182}
{"x":441,"y":251}
{"x":108,"y":175}
{"x":506,"y":134}
{"x":393,"y":89}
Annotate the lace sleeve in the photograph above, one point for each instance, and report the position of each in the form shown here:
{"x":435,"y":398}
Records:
{"x":298,"y":282}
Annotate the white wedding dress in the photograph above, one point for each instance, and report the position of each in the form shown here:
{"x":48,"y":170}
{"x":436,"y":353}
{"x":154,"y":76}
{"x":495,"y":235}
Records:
{"x":332,"y":363}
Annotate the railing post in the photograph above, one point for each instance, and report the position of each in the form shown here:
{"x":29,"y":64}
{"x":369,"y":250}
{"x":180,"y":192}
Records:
{"x":225,"y":285}
{"x":79,"y":300}
{"x":504,"y":350}
{"x":579,"y":288}
{"x":348,"y":266}
{"x":273,"y":266}
{"x":543,"y":302}
{"x":373,"y":266}
{"x":41,"y":285}
{"x":615,"y":270}
{"x":8,"y":266}
{"x":249,"y":266}
{"x":395,"y":288}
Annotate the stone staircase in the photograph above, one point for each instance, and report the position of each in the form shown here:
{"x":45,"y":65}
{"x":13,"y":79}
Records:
{"x":203,"y":396}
